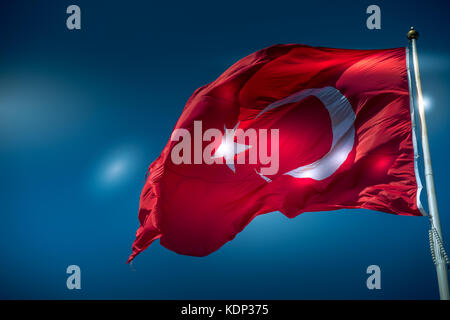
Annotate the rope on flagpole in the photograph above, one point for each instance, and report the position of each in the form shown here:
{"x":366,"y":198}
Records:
{"x":434,"y":235}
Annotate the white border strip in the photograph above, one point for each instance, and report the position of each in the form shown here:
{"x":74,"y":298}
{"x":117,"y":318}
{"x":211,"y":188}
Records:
{"x":414,"y":139}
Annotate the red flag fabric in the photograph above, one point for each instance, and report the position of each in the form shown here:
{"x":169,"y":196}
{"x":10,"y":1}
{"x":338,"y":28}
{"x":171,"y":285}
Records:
{"x":336,"y":123}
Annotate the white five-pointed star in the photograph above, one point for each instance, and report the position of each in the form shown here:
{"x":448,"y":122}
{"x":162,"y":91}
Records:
{"x":228,"y":148}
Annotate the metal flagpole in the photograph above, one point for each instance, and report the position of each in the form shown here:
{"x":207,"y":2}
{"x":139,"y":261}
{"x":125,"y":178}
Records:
{"x":439,"y":256}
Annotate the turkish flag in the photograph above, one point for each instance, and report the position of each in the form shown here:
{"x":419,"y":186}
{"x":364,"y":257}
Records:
{"x":337,"y":120}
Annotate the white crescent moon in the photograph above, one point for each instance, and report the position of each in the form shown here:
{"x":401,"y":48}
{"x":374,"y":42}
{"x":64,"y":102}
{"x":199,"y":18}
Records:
{"x":342,"y":124}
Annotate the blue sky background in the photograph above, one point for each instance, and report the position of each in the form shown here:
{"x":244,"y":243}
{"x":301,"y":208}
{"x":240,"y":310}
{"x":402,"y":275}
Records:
{"x":83,"y":113}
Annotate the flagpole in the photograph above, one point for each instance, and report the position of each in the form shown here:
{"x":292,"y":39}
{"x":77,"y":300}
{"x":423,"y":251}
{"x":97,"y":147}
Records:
{"x":436,"y":242}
